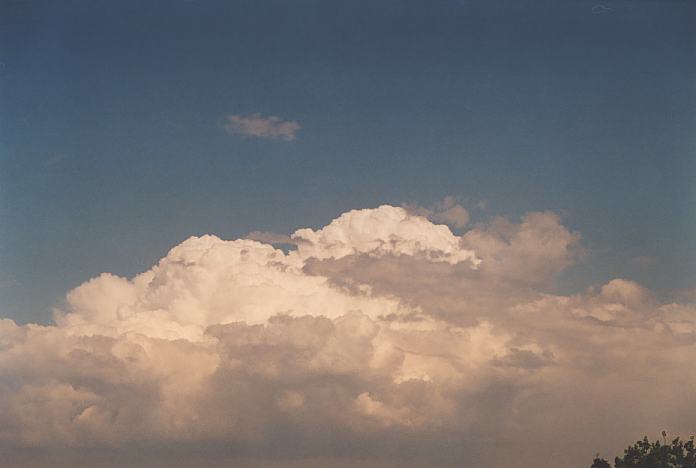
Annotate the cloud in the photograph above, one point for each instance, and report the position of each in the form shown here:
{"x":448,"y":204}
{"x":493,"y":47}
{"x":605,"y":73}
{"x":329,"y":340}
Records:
{"x":382,"y":340}
{"x":685,"y":295}
{"x":256,"y":125}
{"x":271,"y":237}
{"x":600,"y":9}
{"x":531,"y":251}
{"x":386,"y":230}
{"x":448,"y":211}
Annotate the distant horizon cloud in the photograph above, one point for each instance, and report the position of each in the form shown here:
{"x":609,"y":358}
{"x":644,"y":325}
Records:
{"x":260,"y":126}
{"x":384,"y":339}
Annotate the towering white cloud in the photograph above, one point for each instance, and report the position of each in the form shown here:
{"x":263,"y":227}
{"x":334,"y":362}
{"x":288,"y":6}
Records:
{"x":382,"y":340}
{"x":385,"y":230}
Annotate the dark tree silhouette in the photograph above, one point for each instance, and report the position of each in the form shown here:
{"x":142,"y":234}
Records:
{"x":646,"y":454}
{"x":600,"y":463}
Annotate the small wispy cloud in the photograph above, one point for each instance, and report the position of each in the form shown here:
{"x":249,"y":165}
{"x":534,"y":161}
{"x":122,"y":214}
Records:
{"x":259,"y":126}
{"x":600,"y":9}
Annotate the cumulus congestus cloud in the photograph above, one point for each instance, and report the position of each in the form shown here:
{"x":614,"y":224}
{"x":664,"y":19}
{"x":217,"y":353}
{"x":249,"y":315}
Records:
{"x":383,"y":340}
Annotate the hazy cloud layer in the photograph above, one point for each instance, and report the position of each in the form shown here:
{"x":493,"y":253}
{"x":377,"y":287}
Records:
{"x":259,"y":126}
{"x":382,"y":340}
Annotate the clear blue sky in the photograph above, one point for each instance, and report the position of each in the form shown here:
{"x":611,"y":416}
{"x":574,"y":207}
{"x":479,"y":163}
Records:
{"x":112,"y":149}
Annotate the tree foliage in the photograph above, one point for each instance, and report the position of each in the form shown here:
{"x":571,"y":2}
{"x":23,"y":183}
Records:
{"x":600,"y":463}
{"x":646,"y":454}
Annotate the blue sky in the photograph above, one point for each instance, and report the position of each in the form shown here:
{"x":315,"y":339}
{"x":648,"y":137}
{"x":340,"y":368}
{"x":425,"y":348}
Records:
{"x":113,"y":147}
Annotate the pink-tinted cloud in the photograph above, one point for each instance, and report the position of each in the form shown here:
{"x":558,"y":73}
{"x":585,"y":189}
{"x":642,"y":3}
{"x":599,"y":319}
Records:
{"x":259,"y":126}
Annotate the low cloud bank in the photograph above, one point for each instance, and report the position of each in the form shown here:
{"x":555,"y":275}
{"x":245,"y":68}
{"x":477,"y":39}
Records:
{"x":383,"y":340}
